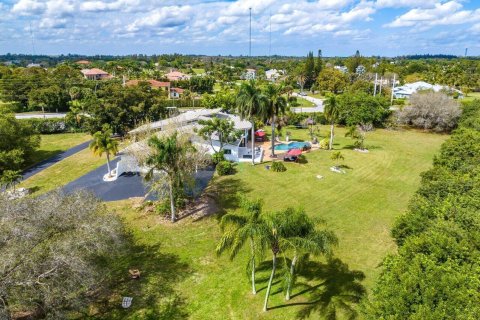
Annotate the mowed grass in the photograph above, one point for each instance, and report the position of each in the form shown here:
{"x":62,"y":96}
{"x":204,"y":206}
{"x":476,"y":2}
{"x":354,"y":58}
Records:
{"x":302,"y":103}
{"x":63,"y":172}
{"x":360,"y":206}
{"x":53,"y":144}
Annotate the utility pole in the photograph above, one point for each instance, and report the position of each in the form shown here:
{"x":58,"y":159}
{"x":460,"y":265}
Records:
{"x":381,"y":82}
{"x":375,"y":85}
{"x":250,"y":41}
{"x":393,"y":88}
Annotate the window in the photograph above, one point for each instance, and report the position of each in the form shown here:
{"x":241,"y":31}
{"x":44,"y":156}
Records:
{"x":227,"y":151}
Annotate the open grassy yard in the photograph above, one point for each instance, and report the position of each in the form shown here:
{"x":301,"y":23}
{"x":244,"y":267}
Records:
{"x":53,"y":144}
{"x":182,"y":277}
{"x":302,"y":103}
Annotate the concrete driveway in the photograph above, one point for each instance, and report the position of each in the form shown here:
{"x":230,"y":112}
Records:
{"x":40,"y":115}
{"x":318,"y":104}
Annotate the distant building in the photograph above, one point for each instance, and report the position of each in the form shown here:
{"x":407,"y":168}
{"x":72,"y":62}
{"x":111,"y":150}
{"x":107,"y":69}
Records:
{"x":175,"y":93}
{"x":341,"y":68}
{"x":273,"y":74}
{"x":95,"y":74}
{"x":249,"y":74}
{"x":408,"y":89}
{"x":83,"y":62}
{"x":360,"y":70}
{"x":34,"y":65}
{"x":177,"y":75}
{"x":153,"y":83}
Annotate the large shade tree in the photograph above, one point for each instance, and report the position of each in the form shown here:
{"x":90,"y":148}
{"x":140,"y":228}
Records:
{"x":248,"y":226}
{"x":250,"y":103}
{"x":53,"y":251}
{"x":275,"y":107}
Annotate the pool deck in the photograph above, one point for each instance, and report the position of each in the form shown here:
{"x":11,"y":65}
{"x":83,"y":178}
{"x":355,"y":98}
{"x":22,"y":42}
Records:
{"x":267,"y":145}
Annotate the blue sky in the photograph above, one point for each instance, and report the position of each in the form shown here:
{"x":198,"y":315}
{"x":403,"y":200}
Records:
{"x":338,"y":27}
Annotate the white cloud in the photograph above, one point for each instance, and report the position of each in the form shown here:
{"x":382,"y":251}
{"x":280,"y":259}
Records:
{"x":407,"y":3}
{"x":28,"y":7}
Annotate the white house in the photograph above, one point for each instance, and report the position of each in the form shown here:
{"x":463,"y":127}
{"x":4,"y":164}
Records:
{"x":341,"y":68}
{"x":250,"y":74}
{"x":408,"y":89}
{"x":187,"y":122}
{"x":273,"y":74}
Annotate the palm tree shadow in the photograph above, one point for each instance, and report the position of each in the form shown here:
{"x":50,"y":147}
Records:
{"x":225,"y":191}
{"x":332,"y":288}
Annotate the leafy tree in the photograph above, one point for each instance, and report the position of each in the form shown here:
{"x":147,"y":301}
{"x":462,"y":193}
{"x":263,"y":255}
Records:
{"x":358,"y":134}
{"x":104,"y":143}
{"x":309,"y":70}
{"x":224,"y":129}
{"x":362,"y":109}
{"x":250,"y":226}
{"x":274,"y":108}
{"x":17,"y":143}
{"x":169,"y":156}
{"x":10,"y":178}
{"x":337,"y":156}
{"x":318,"y":64}
{"x":251,"y":102}
{"x":331,"y":112}
{"x":54,"y":253}
{"x":332,"y":80}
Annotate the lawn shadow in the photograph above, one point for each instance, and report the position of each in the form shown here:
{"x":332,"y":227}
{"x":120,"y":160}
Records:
{"x":154,"y":295}
{"x":332,"y":289}
{"x":225,"y":190}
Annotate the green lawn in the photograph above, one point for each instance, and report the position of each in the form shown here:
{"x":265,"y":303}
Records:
{"x":472,"y":96}
{"x":183,"y":276}
{"x":198,"y":70}
{"x":53,"y":144}
{"x":302,"y":103}
{"x":316,"y":95}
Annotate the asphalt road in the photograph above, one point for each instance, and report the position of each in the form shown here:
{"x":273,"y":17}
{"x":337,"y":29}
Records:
{"x":52,"y":160}
{"x":126,"y":186}
{"x":318,"y":104}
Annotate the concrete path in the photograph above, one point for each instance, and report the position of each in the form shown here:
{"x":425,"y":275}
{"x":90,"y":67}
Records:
{"x":51,"y":161}
{"x":126,"y":186}
{"x":40,"y":115}
{"x":318,"y":104}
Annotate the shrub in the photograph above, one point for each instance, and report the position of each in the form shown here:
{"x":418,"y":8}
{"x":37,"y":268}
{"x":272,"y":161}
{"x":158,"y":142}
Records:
{"x":225,"y":168}
{"x":218,"y":157}
{"x":323,"y":144}
{"x":302,"y":159}
{"x":47,"y":126}
{"x":278,"y":167}
{"x":431,"y":111}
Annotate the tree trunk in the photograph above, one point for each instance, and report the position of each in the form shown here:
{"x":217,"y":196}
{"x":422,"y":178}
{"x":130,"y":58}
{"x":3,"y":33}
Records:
{"x":330,"y":145}
{"x":290,"y":281}
{"x":254,"y":290}
{"x":273,"y":136}
{"x":108,"y":165}
{"x":274,"y":266}
{"x":253,"y":142}
{"x":172,"y":202}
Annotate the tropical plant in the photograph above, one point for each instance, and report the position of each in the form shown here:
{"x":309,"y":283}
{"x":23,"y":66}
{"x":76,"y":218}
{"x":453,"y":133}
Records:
{"x":278,"y":166}
{"x":224,"y":168}
{"x":250,"y":103}
{"x":169,"y":157}
{"x":104,"y":143}
{"x":356,"y":133}
{"x":331,"y":113}
{"x":249,"y":225}
{"x":337,"y":156}
{"x":224,"y":129}
{"x":275,"y":107}
{"x":10,"y":178}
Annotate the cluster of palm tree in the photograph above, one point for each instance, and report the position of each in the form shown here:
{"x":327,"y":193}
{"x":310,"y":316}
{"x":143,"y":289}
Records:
{"x":104,"y":143}
{"x":288,"y":234}
{"x":267,"y":104}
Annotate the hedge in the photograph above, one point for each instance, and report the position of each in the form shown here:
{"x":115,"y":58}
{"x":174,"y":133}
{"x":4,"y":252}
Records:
{"x":49,"y":125}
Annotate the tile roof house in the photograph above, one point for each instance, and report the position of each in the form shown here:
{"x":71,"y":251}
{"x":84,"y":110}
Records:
{"x":84,"y":62}
{"x":153,"y":83}
{"x":175,"y":93}
{"x":177,"y":75}
{"x":95,"y":74}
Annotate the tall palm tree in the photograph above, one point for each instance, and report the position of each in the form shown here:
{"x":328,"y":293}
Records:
{"x":304,"y":238}
{"x":331,"y":112}
{"x":240,"y":228}
{"x":250,"y":103}
{"x":104,"y":143}
{"x":276,"y":105}
{"x":167,"y":156}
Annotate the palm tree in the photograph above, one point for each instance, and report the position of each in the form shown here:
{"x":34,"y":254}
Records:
{"x":103,"y":143}
{"x":276,"y":105}
{"x":239,"y":228}
{"x":250,"y":102}
{"x":331,"y":113}
{"x":304,"y":238}
{"x":167,"y":156}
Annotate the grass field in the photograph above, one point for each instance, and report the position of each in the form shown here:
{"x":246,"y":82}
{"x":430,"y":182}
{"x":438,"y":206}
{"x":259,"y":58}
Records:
{"x":302,"y":103}
{"x":63,"y":172}
{"x":53,"y":144}
{"x":472,"y":96}
{"x":184,"y":278}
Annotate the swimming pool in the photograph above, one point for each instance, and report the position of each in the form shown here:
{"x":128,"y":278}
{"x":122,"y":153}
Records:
{"x":292,"y":145}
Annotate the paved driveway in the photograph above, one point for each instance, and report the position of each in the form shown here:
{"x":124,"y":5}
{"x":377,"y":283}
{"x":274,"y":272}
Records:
{"x":40,"y":115}
{"x":126,"y":186}
{"x":52,"y":160}
{"x":318,"y":104}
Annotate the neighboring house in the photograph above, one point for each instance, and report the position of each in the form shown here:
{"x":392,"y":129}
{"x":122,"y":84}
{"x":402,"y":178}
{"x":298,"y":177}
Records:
{"x":175,"y":93}
{"x":341,"y":68}
{"x":177,"y":75}
{"x":187,"y":122}
{"x":153,"y":83}
{"x":95,"y":74}
{"x":360,"y":70}
{"x":250,"y":74}
{"x":408,"y":89}
{"x":273,"y":74}
{"x":34,"y":65}
{"x":83,"y":62}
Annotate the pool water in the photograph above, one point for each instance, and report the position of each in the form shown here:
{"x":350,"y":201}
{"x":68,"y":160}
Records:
{"x":292,"y":145}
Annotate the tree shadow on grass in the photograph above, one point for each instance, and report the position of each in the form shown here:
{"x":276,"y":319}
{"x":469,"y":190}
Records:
{"x":225,"y":191}
{"x":333,"y":290}
{"x":154,"y":295}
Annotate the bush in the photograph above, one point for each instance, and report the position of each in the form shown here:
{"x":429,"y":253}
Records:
{"x":47,"y":126}
{"x":278,"y":167}
{"x":302,"y":159}
{"x":431,"y":111}
{"x":225,"y":168}
{"x":218,"y":157}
